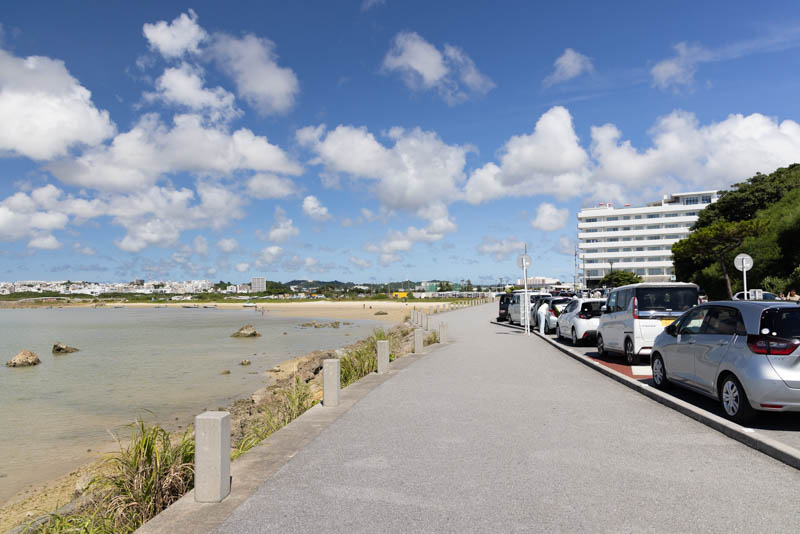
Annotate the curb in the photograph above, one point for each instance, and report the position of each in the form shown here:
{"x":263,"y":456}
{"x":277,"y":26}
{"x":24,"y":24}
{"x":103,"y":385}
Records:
{"x":747,"y":436}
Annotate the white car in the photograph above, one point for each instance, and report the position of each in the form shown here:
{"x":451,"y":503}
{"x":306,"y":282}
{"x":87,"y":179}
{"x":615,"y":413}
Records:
{"x":514,"y":316}
{"x":635,"y":314}
{"x":579,"y":321}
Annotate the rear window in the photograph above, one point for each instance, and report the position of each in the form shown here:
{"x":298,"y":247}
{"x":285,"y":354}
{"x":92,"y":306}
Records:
{"x":559,"y":304}
{"x":781,"y":322}
{"x":591,"y":308}
{"x":666,"y":298}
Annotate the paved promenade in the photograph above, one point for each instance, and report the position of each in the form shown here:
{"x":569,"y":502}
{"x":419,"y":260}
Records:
{"x":500,"y":432}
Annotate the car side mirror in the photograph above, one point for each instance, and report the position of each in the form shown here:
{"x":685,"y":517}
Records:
{"x":671,"y":330}
{"x":603,"y":309}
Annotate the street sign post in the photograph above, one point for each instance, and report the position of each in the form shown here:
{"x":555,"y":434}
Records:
{"x":523,"y":262}
{"x":744,"y":263}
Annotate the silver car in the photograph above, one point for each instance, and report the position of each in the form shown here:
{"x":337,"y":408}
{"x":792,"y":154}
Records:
{"x":744,"y":353}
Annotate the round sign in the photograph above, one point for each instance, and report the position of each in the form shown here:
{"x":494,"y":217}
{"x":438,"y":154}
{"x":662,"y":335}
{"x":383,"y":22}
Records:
{"x":523,"y":261}
{"x":743,"y":262}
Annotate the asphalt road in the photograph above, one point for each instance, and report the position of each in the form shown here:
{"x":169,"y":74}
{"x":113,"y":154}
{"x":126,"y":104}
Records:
{"x":783,"y":427}
{"x":500,"y":432}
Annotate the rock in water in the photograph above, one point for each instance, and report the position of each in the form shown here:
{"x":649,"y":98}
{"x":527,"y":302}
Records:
{"x":60,"y":348}
{"x":246,"y":331}
{"x":24,"y":359}
{"x":245,"y":362}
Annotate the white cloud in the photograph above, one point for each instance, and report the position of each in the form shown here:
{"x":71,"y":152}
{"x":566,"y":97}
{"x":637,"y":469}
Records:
{"x":200,"y":245}
{"x":242,"y":267}
{"x":83,"y":249}
{"x":690,"y":155}
{"x":44,"y":110}
{"x":252,"y":63}
{"x":266,"y":185}
{"x":184,"y":86}
{"x":679,"y":70}
{"x":417,"y":171}
{"x":228,"y":245}
{"x":549,"y":218}
{"x":569,"y":65}
{"x":451,"y":72}
{"x":565,"y":246}
{"x":366,"y":5}
{"x":500,"y":250}
{"x":269,"y":255}
{"x":174,"y":39}
{"x":361,"y":263}
{"x":151,"y":150}
{"x":283,"y":229}
{"x":548,"y":161}
{"x":46,"y":242}
{"x":314,"y":209}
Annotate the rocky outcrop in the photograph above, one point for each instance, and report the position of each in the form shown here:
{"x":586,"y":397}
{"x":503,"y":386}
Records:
{"x":25,"y":358}
{"x":245,"y":362}
{"x":60,"y":348}
{"x":246,"y":331}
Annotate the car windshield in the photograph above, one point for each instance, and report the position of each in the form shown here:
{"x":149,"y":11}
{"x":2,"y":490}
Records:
{"x":666,"y":298}
{"x":781,"y":322}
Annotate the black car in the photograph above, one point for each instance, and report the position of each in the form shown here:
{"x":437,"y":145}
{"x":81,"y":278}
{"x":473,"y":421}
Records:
{"x":502,"y":313}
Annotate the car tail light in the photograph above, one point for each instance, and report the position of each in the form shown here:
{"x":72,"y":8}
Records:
{"x":583,"y":315}
{"x":772,"y":345}
{"x":635,"y":308}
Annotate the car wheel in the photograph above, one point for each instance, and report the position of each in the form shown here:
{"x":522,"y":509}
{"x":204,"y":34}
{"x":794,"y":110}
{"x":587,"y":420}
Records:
{"x":630,"y":357}
{"x":734,"y":401}
{"x":601,"y":348}
{"x":659,"y":372}
{"x":574,"y":338}
{"x":558,"y":332}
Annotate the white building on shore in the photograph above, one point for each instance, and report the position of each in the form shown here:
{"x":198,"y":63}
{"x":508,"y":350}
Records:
{"x":636,"y":239}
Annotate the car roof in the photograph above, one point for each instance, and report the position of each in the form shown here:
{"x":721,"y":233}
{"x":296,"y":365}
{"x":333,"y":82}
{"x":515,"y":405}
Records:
{"x":751,"y":310}
{"x":658,"y":284}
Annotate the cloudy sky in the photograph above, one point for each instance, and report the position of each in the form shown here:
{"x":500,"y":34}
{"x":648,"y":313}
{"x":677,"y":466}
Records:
{"x":369,"y":140}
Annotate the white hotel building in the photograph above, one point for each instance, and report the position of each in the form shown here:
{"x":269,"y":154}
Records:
{"x":639,"y":239}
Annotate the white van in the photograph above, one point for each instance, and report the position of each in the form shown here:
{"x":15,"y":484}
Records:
{"x":514,"y":315}
{"x":635,"y":314}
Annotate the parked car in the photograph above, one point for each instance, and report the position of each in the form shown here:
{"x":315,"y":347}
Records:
{"x":635,"y":314}
{"x":579,"y":320}
{"x":502,"y":312}
{"x":547,"y":310}
{"x":517,"y":297}
{"x":764,"y":296}
{"x":743,"y":353}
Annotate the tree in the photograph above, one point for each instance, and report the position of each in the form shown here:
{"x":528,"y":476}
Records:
{"x":468,"y":285}
{"x":710,"y":246}
{"x":619,"y":278}
{"x":445,"y":286}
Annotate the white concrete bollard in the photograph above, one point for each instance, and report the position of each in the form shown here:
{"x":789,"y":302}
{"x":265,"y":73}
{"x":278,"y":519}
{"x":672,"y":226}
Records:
{"x":442,"y":332}
{"x":331,"y":381}
{"x":212,"y":456}
{"x":418,"y":341}
{"x":425,"y":320}
{"x":383,"y":357}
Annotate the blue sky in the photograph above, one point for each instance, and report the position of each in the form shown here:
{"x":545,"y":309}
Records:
{"x":369,"y":140}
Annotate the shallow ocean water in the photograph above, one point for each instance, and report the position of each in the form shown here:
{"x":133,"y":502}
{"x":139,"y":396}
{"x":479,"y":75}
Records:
{"x":164,"y":364}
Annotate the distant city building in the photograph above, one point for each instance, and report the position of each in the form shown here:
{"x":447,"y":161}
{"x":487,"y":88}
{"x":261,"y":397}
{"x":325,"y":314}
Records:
{"x":258,"y":285}
{"x":637,"y":239}
{"x":542,"y":282}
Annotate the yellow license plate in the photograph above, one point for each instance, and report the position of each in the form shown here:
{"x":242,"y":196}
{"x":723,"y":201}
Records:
{"x":667,"y":322}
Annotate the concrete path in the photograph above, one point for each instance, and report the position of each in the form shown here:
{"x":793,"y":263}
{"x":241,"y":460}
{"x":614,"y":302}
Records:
{"x":500,"y":432}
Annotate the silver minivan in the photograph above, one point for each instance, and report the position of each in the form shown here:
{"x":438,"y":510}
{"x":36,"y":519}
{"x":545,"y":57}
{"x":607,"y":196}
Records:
{"x":744,"y":353}
{"x":635,"y":314}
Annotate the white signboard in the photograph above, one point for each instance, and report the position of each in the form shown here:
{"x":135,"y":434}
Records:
{"x":743,"y":262}
{"x":523,"y":261}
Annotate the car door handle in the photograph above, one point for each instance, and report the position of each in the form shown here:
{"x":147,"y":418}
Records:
{"x":691,"y":342}
{"x":722,"y":342}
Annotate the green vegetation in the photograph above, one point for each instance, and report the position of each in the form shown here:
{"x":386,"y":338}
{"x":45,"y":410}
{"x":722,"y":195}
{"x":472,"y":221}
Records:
{"x":760,"y":217}
{"x":291,"y":404}
{"x":431,"y":338}
{"x":619,"y":278}
{"x":140,"y":481}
